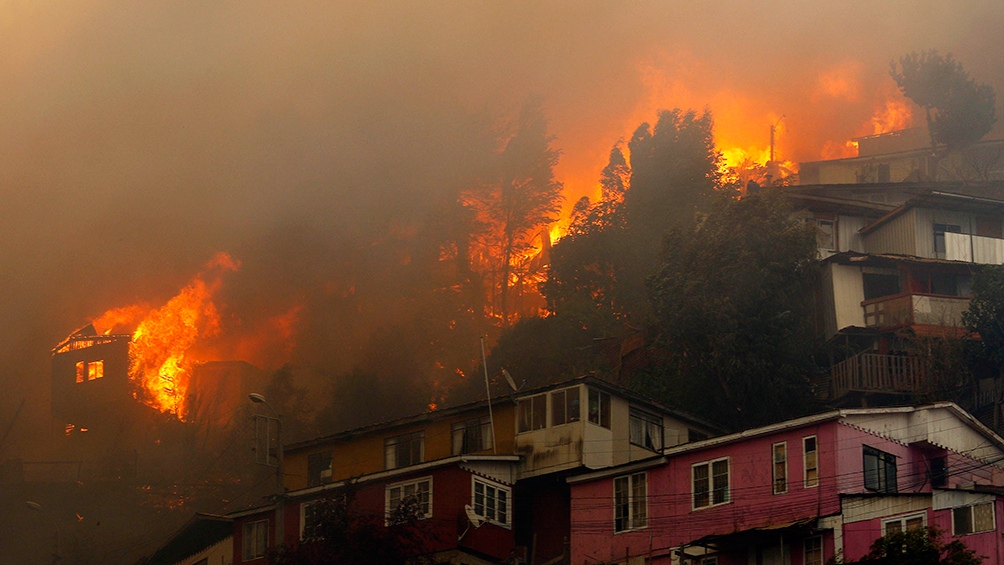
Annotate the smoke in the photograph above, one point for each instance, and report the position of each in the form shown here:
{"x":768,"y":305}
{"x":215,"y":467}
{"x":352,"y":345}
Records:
{"x":309,"y":139}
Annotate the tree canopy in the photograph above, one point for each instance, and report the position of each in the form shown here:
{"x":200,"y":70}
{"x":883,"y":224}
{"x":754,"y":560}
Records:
{"x":732,"y":300}
{"x":959,"y":110}
{"x":922,"y":546}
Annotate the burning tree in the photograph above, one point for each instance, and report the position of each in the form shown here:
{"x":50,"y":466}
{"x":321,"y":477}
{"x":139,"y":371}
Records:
{"x":514,"y":207}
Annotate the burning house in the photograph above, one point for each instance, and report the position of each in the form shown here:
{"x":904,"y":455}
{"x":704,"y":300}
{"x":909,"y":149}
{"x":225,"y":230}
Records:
{"x":90,"y":377}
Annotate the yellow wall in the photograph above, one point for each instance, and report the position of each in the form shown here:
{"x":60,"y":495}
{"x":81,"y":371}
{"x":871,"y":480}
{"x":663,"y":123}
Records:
{"x":362,"y":455}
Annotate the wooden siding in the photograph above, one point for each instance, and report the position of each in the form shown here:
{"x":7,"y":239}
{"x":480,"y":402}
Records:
{"x":898,"y":236}
{"x":874,"y":372}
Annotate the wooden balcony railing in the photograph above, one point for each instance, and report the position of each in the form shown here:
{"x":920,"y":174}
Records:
{"x":875,"y":372}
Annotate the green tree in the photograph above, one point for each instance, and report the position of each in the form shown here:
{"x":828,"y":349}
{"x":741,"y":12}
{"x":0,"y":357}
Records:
{"x":959,"y":110}
{"x":922,"y":546}
{"x":732,"y":302}
{"x":985,"y":315}
{"x":674,"y":172}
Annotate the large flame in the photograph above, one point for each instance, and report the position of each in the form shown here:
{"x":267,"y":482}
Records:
{"x":159,"y":361}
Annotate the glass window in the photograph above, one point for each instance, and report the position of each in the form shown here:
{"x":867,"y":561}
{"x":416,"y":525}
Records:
{"x":710,"y":483}
{"x":879,"y":470}
{"x":973,"y":519}
{"x":903,"y":524}
{"x":404,"y":450}
{"x":531,"y":413}
{"x":565,"y":406}
{"x":630,"y":502}
{"x":491,"y":502}
{"x":810,"y":462}
{"x":318,"y":468}
{"x":419,"y":491}
{"x":645,"y":429}
{"x":780,"y":456}
{"x":472,"y":436}
{"x":813,"y":551}
{"x":599,"y":408}
{"x":255,"y":539}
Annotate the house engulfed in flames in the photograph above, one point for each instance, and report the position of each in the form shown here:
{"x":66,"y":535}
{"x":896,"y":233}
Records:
{"x":95,"y":397}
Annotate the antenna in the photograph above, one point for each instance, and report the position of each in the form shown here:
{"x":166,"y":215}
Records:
{"x":476,"y":520}
{"x":508,"y":379}
{"x":488,"y":390}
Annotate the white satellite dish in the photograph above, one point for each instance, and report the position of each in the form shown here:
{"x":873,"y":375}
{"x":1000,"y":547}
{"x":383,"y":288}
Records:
{"x":476,"y":520}
{"x":508,"y":379}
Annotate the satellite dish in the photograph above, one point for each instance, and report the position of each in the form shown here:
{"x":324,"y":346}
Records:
{"x":476,"y":520}
{"x":508,"y":379}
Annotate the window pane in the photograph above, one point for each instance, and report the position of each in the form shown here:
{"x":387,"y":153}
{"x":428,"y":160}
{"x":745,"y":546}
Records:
{"x":915,"y":523}
{"x":539,"y":412}
{"x":962,"y":520}
{"x":701,"y":486}
{"x":720,"y":481}
{"x":558,"y":408}
{"x":572,"y":404}
{"x":983,"y":517}
{"x":893,"y":527}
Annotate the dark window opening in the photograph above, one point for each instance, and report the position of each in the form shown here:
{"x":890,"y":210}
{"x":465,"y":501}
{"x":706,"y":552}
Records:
{"x":877,"y":285}
{"x":939,"y":471}
{"x":879,"y":470}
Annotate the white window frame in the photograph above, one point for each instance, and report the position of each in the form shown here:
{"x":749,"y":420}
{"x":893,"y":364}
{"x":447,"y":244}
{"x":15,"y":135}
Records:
{"x":649,"y":425}
{"x":249,"y":549}
{"x":819,"y":548}
{"x":531,"y":403}
{"x":779,"y":484}
{"x":565,"y":415}
{"x":631,"y":520}
{"x":303,"y":515}
{"x":710,"y":464}
{"x":971,"y":508}
{"x":902,"y":520}
{"x":600,"y":415}
{"x":402,"y":485}
{"x":507,"y":523}
{"x":390,"y":449}
{"x":806,"y":481}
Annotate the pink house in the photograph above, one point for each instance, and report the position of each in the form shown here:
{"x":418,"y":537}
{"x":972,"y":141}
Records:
{"x":798,"y":492}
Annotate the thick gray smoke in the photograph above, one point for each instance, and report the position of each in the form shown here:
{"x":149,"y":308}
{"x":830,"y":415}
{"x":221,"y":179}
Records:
{"x":137,"y":139}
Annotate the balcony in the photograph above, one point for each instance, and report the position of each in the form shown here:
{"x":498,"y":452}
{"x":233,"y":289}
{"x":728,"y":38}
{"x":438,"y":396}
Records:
{"x":915,"y":309}
{"x":875,"y":372}
{"x":974,"y":249}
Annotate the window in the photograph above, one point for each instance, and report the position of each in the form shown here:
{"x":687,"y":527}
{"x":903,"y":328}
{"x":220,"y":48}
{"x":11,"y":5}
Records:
{"x":472,"y":436}
{"x":877,"y":285}
{"x":880,"y":470}
{"x":939,"y":236}
{"x":695,"y":435}
{"x":308,"y":517}
{"x":565,"y":406}
{"x":939,"y":471}
{"x":973,"y":519}
{"x":812,"y":551}
{"x":318,"y":468}
{"x":810,"y":462}
{"x":491,"y":502}
{"x":88,"y":371}
{"x":255,"y":539}
{"x":645,"y":429}
{"x":630,"y":502}
{"x":824,"y":234}
{"x":903,"y":524}
{"x":780,"y":458}
{"x":404,"y":450}
{"x":531,"y":413}
{"x":711,"y":482}
{"x":418,"y":492}
{"x":599,"y":408}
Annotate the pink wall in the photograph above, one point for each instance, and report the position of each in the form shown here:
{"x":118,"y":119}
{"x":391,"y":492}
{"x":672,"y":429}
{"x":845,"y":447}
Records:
{"x":673,"y":521}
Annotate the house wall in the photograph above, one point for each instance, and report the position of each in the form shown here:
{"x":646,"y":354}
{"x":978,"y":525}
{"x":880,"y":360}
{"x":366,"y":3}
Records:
{"x":899,"y":236}
{"x":364,"y":454}
{"x":672,"y":520}
{"x":451,"y":490}
{"x":848,"y":236}
{"x":222,"y":553}
{"x":238,"y":555}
